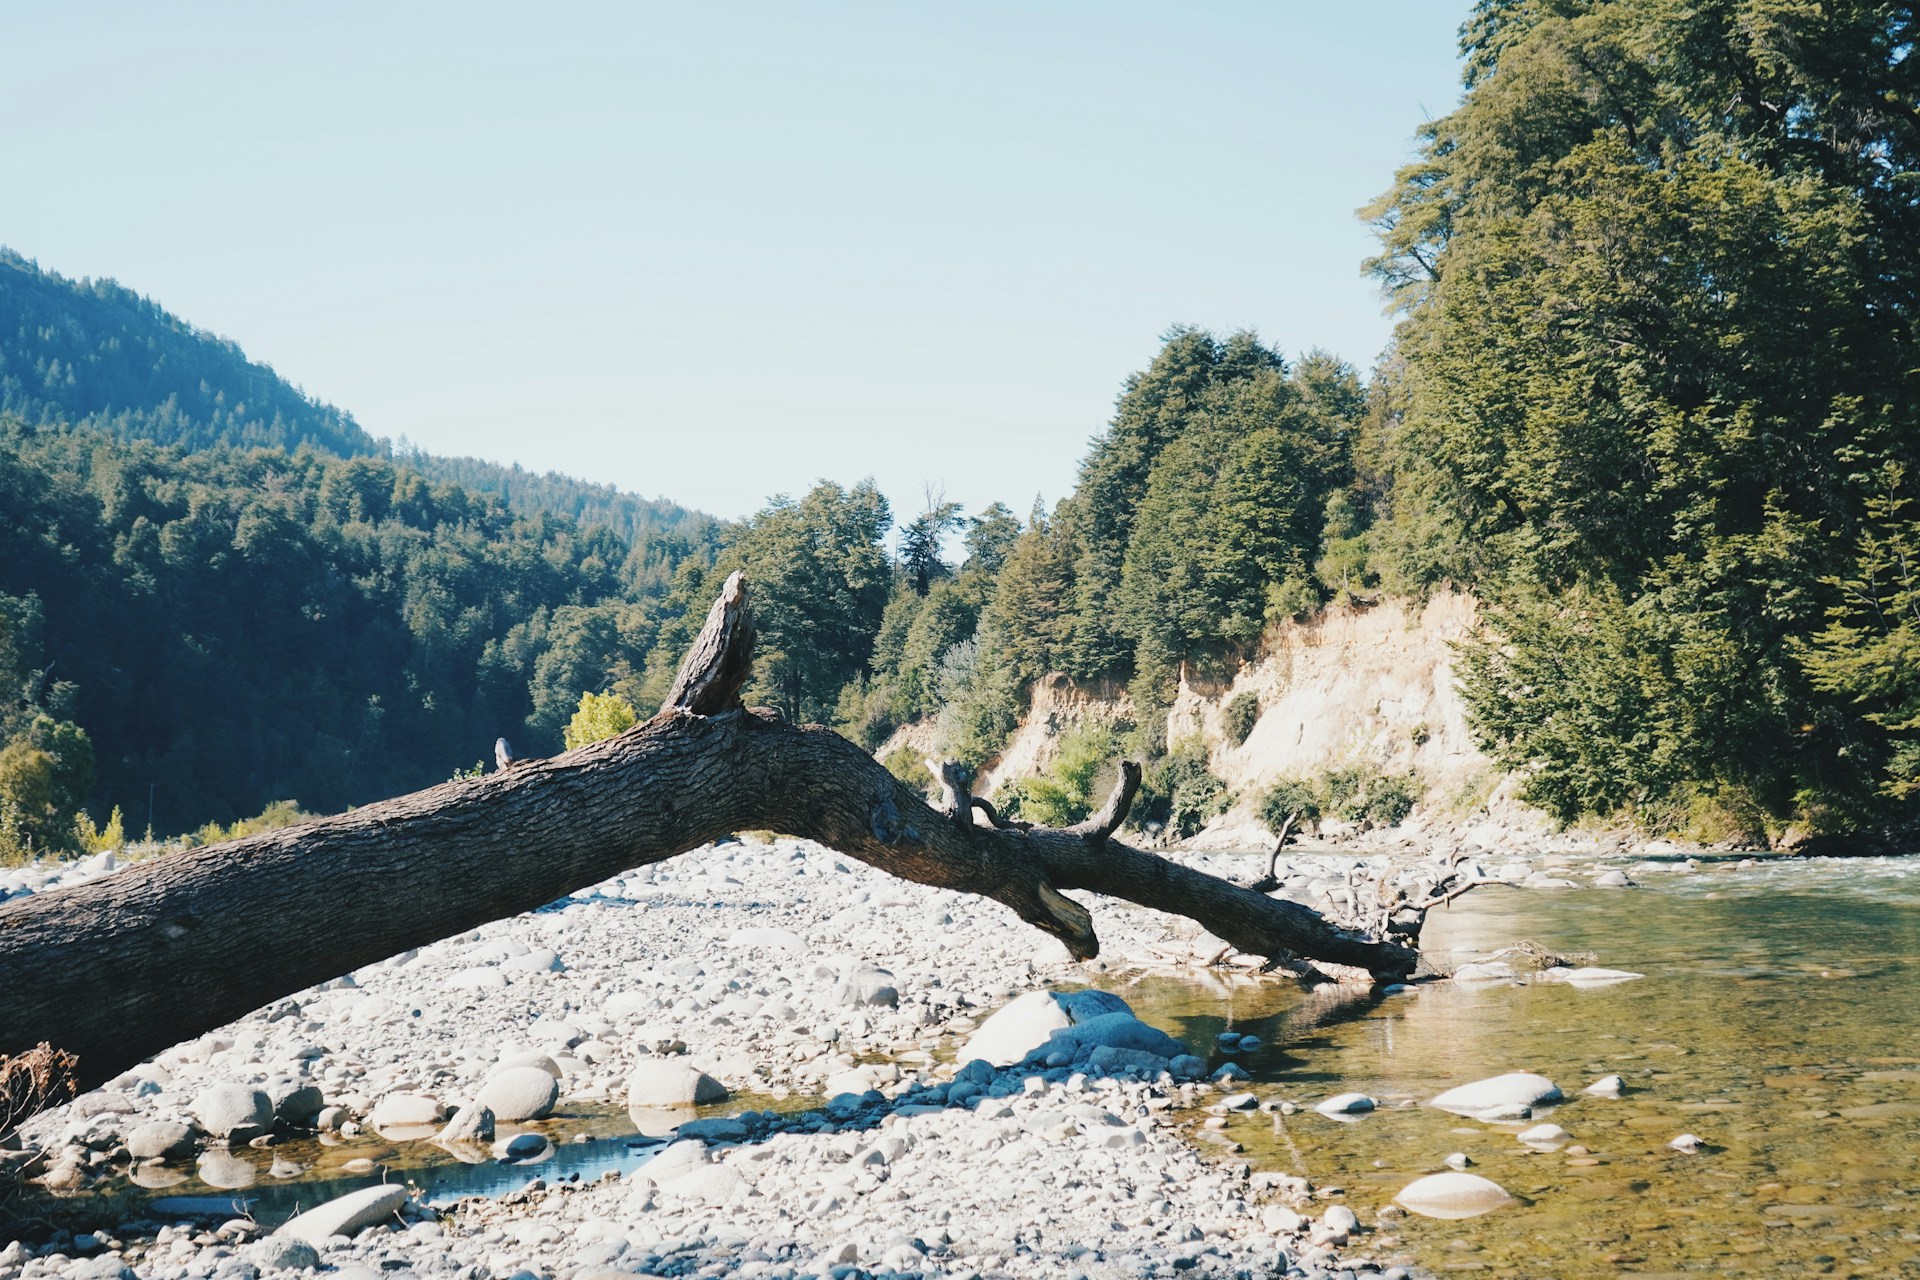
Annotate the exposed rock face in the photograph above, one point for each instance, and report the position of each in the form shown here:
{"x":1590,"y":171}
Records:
{"x":1373,"y":684}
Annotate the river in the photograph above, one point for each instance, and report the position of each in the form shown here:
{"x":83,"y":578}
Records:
{"x":1776,"y":1022}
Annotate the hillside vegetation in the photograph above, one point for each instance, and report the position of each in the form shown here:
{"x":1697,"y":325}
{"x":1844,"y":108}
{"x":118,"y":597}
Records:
{"x":1651,"y":398}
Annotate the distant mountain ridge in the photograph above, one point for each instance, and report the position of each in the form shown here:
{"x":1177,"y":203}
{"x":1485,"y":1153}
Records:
{"x":587,"y":504}
{"x":93,"y":353}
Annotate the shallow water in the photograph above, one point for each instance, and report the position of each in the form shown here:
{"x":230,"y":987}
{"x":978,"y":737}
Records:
{"x":588,"y":1141}
{"x":1775,"y":1022}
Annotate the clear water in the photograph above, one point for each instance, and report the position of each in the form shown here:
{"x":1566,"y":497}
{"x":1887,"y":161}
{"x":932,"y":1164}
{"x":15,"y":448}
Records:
{"x":587,"y":1142}
{"x":1776,"y":1022}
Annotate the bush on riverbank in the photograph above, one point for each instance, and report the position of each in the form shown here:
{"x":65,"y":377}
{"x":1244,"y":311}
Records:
{"x":1358,"y":793}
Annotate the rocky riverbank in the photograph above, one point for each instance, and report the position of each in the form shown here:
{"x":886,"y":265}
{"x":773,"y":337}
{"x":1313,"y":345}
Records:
{"x":844,"y":1010}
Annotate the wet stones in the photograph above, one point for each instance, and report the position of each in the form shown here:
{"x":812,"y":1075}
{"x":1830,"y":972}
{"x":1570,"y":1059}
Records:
{"x":472,"y":1122}
{"x":1453,"y":1195}
{"x":345,"y":1216}
{"x":406,"y":1111}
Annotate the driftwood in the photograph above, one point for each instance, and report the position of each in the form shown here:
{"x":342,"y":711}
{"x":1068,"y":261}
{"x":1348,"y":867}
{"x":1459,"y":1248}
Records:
{"x":120,"y":968}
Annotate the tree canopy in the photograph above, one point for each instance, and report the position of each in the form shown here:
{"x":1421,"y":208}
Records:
{"x":1658,"y":273}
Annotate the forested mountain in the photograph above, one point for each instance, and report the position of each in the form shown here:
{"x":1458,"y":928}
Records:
{"x":665,"y":530}
{"x":217,"y":592}
{"x":233,"y":627}
{"x":89,"y":351}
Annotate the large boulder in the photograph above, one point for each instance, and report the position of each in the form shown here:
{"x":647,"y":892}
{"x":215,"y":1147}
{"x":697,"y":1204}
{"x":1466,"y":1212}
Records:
{"x":471,"y":1123}
{"x":519,"y":1093}
{"x":664,"y":1082}
{"x":1514,"y":1089}
{"x":1453,"y":1195}
{"x":672,"y":1161}
{"x":1105,"y":1060}
{"x":1111,"y":1031}
{"x":233,"y":1111}
{"x":160,"y":1140}
{"x":295,"y":1102}
{"x":346,"y":1215}
{"x":282,"y":1253}
{"x":867,"y":984}
{"x":406,"y":1111}
{"x":1024,"y":1023}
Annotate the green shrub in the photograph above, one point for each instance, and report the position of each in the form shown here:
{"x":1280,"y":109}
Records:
{"x":1040,"y":800}
{"x":1293,"y":797}
{"x":45,"y":771}
{"x":905,"y":765}
{"x":1362,"y":793}
{"x":1390,"y":799}
{"x":980,"y":702}
{"x":600,"y":716}
{"x":100,"y":839}
{"x":1241,"y":714}
{"x":1180,"y":792}
{"x":868,"y":712}
{"x":1066,"y":794}
{"x":280,"y":813}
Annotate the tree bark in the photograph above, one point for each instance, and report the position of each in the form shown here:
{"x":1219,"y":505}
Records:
{"x":118,"y":969}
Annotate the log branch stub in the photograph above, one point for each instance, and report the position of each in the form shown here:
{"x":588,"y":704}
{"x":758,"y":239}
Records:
{"x":1114,"y":811}
{"x":717,"y":666}
{"x":956,"y":790}
{"x":994,"y":819}
{"x":1271,"y":880}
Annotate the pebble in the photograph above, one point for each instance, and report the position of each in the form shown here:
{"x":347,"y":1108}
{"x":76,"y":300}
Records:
{"x":1606,"y":1087}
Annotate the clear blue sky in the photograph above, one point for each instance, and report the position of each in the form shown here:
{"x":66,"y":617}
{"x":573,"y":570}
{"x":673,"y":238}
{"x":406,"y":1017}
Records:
{"x":717,"y":250}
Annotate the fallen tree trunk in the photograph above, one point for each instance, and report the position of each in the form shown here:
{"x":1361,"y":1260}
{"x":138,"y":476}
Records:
{"x":120,"y":968}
